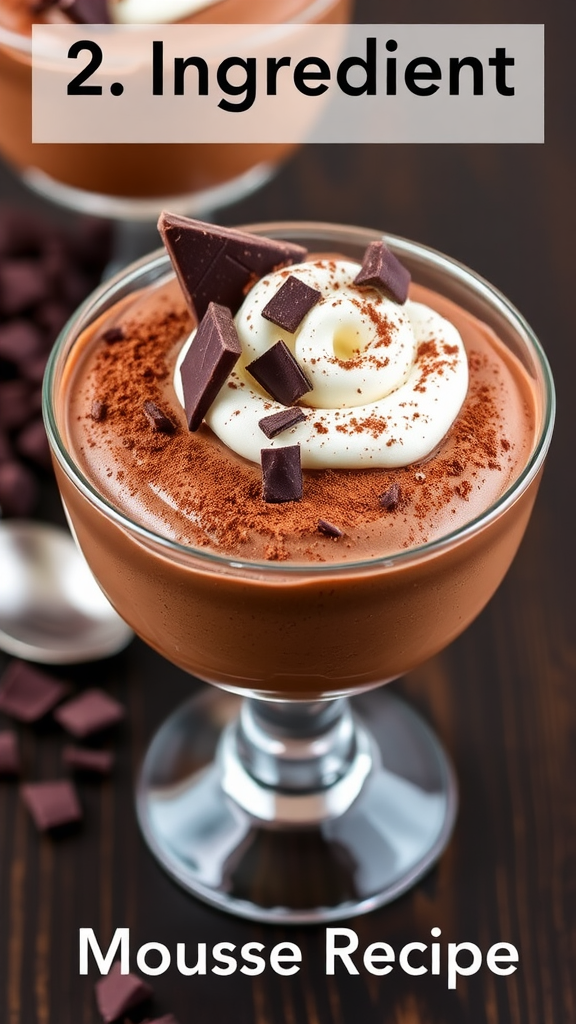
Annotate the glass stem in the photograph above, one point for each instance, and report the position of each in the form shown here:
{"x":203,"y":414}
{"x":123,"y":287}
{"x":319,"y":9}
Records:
{"x":296,"y":747}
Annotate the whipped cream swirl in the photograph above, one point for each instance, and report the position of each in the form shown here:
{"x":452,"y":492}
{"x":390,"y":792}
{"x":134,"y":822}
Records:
{"x":156,"y":12}
{"x":388,"y":380}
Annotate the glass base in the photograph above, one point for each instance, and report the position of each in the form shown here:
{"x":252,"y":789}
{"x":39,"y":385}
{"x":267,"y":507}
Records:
{"x":278,"y":856}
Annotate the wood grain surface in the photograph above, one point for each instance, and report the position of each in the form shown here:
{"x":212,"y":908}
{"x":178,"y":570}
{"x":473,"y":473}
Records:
{"x":502,"y":697}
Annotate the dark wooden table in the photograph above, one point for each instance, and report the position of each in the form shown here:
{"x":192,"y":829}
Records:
{"x":502,"y":697}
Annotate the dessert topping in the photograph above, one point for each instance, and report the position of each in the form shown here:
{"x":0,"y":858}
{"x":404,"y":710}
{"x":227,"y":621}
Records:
{"x":277,"y":371}
{"x":112,"y":335}
{"x":288,"y":307}
{"x":381,"y":269}
{"x":157,"y":419}
{"x":390,"y":499}
{"x":219,"y":264}
{"x":328,"y":529}
{"x":281,"y":474}
{"x":208,"y":362}
{"x":280,"y":421}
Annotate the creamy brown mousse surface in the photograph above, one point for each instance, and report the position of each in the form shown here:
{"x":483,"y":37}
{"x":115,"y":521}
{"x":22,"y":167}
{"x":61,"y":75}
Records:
{"x":190,"y":488}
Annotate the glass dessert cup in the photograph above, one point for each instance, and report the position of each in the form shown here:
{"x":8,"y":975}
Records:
{"x":133,"y":182}
{"x":293,"y":792}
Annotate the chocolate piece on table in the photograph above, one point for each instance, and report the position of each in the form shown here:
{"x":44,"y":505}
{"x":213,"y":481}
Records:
{"x":390,"y":499}
{"x":32,"y":443}
{"x":216,"y":264}
{"x":281,"y":474}
{"x":84,"y":759}
{"x":52,"y":804}
{"x":328,"y":529}
{"x":277,"y":422}
{"x":382,"y":270}
{"x":9,"y":755}
{"x":213,"y":353}
{"x":117,"y":993}
{"x":28,"y":694}
{"x":288,"y":307}
{"x":18,"y":489}
{"x":98,"y":410}
{"x":112,"y":335}
{"x":277,"y":371}
{"x":87,"y":12}
{"x":157,"y":419}
{"x":92,"y":711}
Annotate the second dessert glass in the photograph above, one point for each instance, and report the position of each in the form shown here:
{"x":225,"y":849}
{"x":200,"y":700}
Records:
{"x":277,"y":797}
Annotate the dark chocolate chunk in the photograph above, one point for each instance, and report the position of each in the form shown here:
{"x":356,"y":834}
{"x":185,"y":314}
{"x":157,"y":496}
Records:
{"x":112,"y":335}
{"x":20,"y":341}
{"x":157,"y":419}
{"x":18,"y":489}
{"x":390,"y":499}
{"x":83,"y":759}
{"x":9,"y":755}
{"x":92,"y":711}
{"x":32,"y":443}
{"x":98,"y":410}
{"x":213,"y":353}
{"x":277,"y":371}
{"x":216,"y":264}
{"x":288,"y":307}
{"x":328,"y":529}
{"x":277,"y":422}
{"x":117,"y":993}
{"x":87,"y":12}
{"x":281,"y":474}
{"x":28,"y":694}
{"x":52,"y":804}
{"x":22,"y":285}
{"x":14,"y":404}
{"x":382,"y":270}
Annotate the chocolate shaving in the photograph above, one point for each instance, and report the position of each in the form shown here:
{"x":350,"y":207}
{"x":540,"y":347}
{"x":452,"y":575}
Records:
{"x":281,"y":474}
{"x":382,"y":270}
{"x":288,"y":307}
{"x":216,"y":264}
{"x":117,"y":993}
{"x":277,"y":422}
{"x":112,"y":335}
{"x":98,"y":410}
{"x":52,"y":804}
{"x":213,"y":353}
{"x":277,"y":371}
{"x":390,"y":499}
{"x":328,"y":529}
{"x":157,"y":419}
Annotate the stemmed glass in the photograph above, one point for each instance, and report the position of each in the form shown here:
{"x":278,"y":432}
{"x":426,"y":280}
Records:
{"x":294,"y":791}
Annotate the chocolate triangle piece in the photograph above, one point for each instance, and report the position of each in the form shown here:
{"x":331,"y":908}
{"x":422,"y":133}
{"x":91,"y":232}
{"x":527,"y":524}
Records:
{"x":382,"y":270}
{"x":87,"y":12}
{"x":215,"y":264}
{"x":212,"y":355}
{"x":279,"y":373}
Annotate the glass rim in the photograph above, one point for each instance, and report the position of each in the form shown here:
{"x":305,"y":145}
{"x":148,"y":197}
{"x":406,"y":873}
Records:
{"x":288,"y":230}
{"x":22,"y":41}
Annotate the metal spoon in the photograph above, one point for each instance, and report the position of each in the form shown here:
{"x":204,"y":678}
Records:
{"x":51,"y":608}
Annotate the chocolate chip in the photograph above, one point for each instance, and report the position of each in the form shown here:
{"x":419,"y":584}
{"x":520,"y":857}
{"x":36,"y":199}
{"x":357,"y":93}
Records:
{"x":277,"y":371}
{"x":281,"y":474}
{"x":92,"y":711}
{"x":52,"y":804}
{"x":213,"y":353}
{"x":288,"y":307}
{"x":112,"y":335}
{"x":82,"y":759}
{"x":117,"y":993}
{"x":22,"y":285}
{"x":328,"y":529}
{"x":9,"y":755}
{"x":157,"y":419}
{"x":216,"y":264}
{"x":28,"y":694}
{"x":98,"y":410}
{"x":18,"y":489}
{"x":382,"y":270}
{"x":390,"y":499}
{"x":32,"y":443}
{"x":277,"y":422}
{"x":87,"y":12}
